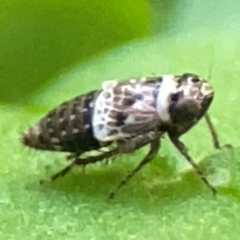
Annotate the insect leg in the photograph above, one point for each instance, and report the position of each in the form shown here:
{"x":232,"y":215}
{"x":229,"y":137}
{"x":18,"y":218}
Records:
{"x":123,"y":147}
{"x":212,"y":131}
{"x":94,"y":159}
{"x":154,"y":147}
{"x":138,"y":143}
{"x":63,"y":172}
{"x":183,"y":150}
{"x":214,"y":134}
{"x":83,"y":162}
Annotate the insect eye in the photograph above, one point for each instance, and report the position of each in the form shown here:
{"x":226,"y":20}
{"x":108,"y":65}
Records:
{"x":175,"y":97}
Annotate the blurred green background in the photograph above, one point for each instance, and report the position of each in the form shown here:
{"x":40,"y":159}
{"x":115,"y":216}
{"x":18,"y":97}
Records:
{"x":51,"y":51}
{"x":41,"y":38}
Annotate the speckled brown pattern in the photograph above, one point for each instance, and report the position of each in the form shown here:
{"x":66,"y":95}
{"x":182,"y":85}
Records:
{"x":67,"y":128}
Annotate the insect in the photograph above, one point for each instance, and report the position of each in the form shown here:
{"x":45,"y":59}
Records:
{"x":123,"y":117}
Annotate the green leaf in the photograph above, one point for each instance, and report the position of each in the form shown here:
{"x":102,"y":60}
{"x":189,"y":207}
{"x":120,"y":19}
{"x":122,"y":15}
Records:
{"x":166,"y":199}
{"x":41,"y":38}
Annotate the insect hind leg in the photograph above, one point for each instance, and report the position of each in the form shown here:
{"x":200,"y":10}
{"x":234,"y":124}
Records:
{"x":63,"y":172}
{"x":82,"y":162}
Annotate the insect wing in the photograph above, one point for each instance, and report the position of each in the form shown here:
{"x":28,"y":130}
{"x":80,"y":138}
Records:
{"x":124,"y":110}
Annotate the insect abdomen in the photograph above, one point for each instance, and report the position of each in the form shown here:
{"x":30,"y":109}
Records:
{"x":66,"y":128}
